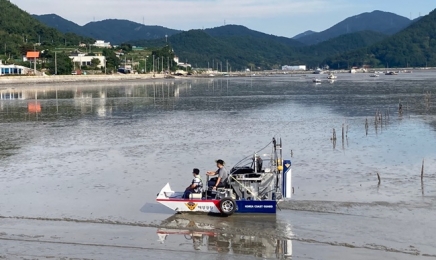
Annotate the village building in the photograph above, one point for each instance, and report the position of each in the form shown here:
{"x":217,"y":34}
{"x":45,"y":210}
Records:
{"x":12,"y":69}
{"x":84,"y":60}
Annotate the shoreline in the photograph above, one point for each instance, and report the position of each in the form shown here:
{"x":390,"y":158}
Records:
{"x":4,"y":80}
{"x":22,"y":80}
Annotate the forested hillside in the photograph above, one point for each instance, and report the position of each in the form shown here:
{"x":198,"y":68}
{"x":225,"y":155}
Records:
{"x":199,"y":47}
{"x":415,"y":46}
{"x":114,"y":31}
{"x":19,"y":32}
{"x":376,"y":21}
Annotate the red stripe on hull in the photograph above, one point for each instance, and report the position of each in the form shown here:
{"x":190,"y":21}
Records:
{"x":197,"y":200}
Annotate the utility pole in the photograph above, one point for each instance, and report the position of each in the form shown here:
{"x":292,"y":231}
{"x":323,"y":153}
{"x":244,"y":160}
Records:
{"x":162,"y":64}
{"x":56,"y":64}
{"x":145,"y":65}
{"x":153,"y":64}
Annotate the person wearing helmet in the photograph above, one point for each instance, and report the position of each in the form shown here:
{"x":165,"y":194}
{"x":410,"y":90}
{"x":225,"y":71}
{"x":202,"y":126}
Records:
{"x":196,"y":185}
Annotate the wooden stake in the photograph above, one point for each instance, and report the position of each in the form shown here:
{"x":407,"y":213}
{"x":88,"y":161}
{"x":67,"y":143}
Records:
{"x":422,"y":170}
{"x":379,"y":179}
{"x":343,"y":132}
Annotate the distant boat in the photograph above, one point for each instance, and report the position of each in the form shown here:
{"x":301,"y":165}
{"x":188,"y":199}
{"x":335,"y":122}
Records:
{"x":318,"y":71}
{"x":374,"y":75}
{"x":391,"y":73}
{"x":316,"y":81}
{"x":353,"y":71}
{"x":332,"y":76}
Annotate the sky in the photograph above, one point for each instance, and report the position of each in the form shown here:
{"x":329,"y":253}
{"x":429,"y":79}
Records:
{"x":279,"y":17}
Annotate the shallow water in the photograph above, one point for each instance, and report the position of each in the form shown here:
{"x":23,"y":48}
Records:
{"x":91,"y":154}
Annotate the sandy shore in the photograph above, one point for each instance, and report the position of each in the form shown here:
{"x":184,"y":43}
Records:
{"x":4,"y":80}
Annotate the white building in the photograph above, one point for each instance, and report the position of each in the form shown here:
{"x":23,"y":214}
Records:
{"x":12,"y":69}
{"x":86,"y":60}
{"x":102,"y":44}
{"x":181,"y":64}
{"x":299,"y":67}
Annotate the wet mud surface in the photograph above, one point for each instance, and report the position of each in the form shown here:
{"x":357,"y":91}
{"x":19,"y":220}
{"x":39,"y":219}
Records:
{"x":81,"y":165}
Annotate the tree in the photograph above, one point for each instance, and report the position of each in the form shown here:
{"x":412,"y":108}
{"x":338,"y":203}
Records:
{"x":95,"y":62}
{"x":126,"y":47}
{"x":62,"y":64}
{"x":112,"y":61}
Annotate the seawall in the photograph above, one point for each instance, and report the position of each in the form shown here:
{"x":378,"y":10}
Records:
{"x":5,"y":80}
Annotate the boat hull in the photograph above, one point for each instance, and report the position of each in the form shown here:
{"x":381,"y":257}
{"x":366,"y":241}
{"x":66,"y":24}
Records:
{"x":213,"y":206}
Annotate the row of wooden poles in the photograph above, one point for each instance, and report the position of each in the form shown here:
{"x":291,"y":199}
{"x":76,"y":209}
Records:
{"x":344,"y":133}
{"x":379,"y":119}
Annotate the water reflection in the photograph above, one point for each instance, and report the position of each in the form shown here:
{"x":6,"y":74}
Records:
{"x":258,"y":236}
{"x":54,"y":102}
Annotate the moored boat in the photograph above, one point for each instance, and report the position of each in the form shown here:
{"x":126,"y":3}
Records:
{"x":332,"y":76}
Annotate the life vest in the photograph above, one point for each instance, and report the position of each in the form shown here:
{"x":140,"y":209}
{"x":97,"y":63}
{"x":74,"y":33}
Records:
{"x":199,"y":187}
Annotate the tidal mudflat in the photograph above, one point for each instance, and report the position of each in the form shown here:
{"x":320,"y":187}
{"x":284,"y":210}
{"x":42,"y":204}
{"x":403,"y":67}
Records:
{"x":81,"y":165}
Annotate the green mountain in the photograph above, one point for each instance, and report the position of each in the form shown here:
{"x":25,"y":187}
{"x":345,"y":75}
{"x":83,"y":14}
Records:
{"x":314,"y":55}
{"x":120,"y":31}
{"x":242,"y":31}
{"x":415,"y":46}
{"x":61,"y":24}
{"x":377,"y":21}
{"x":306,"y":33}
{"x":110,"y":30}
{"x":198,"y":48}
{"x":19,"y":31}
{"x":249,"y":49}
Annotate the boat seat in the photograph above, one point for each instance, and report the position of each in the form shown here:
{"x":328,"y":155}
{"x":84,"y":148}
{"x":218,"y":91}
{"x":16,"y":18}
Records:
{"x":195,"y":196}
